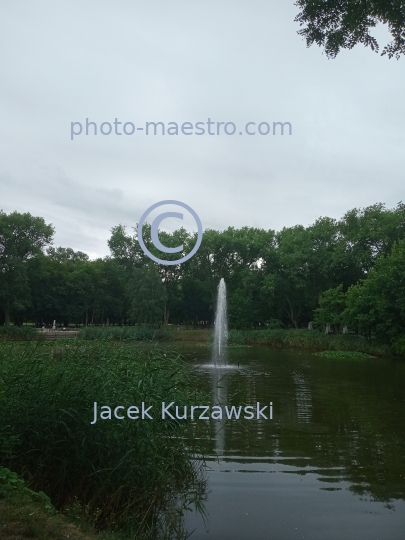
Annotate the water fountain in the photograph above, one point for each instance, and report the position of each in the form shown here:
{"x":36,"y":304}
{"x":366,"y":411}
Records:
{"x":219,"y":355}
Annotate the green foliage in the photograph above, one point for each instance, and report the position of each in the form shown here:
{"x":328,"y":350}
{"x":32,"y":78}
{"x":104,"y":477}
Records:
{"x":22,"y":237}
{"x":125,"y":473}
{"x":10,"y":478}
{"x":25,"y":513}
{"x":274,"y":279}
{"x":7,"y":439}
{"x":398,"y":345}
{"x":332,"y":304}
{"x":241,"y":309}
{"x":274,"y":324}
{"x":377,"y":304}
{"x":63,"y":255}
{"x":148,"y":296}
{"x":343,"y":24}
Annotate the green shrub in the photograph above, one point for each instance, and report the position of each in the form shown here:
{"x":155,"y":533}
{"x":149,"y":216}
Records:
{"x":398,"y":346}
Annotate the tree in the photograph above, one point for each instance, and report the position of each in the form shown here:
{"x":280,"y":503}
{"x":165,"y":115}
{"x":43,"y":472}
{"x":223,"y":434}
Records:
{"x":172,"y":275}
{"x":62,"y":254}
{"x":341,"y":24}
{"x":22,"y":238}
{"x":195,"y":300}
{"x":293,"y":275}
{"x":125,"y":248}
{"x":241,"y":310}
{"x":369,"y":233}
{"x":83,"y":284}
{"x":148,"y":295}
{"x":127,"y":251}
{"x":378,"y":303}
{"x":230,"y":254}
{"x":332,"y":304}
{"x":111,"y":300}
{"x":49,"y":286}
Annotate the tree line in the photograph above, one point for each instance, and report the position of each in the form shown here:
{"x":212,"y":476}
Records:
{"x":338,"y":272}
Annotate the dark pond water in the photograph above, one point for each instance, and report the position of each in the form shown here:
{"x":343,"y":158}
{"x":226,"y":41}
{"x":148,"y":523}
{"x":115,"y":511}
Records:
{"x":331,"y":463}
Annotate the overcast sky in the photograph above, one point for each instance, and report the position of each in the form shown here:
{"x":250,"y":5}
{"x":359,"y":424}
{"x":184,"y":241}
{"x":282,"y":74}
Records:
{"x":181,"y":61}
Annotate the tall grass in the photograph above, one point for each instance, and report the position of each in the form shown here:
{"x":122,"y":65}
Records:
{"x":19,"y":333}
{"x":306,"y":339}
{"x":119,"y":333}
{"x":124,"y":474}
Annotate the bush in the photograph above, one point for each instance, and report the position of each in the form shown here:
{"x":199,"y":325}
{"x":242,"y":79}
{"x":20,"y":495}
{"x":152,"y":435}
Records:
{"x":398,"y":346}
{"x":126,"y":474}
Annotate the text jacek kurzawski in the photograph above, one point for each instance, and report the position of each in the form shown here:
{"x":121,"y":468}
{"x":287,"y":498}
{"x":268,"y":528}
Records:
{"x":171,"y":411}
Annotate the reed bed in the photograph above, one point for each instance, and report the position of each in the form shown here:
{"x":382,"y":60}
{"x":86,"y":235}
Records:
{"x":120,"y":333}
{"x":305,"y":339}
{"x":135,"y":476}
{"x":19,"y":333}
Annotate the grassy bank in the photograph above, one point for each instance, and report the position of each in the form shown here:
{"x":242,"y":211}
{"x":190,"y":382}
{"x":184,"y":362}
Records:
{"x":305,"y":339}
{"x":127,"y":475}
{"x":27,"y":514}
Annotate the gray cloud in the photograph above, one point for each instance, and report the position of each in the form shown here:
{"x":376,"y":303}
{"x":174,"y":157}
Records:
{"x":183,"y":61}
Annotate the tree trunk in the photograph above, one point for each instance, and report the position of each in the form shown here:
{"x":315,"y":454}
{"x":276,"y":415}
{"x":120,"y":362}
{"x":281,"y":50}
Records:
{"x":87,"y":316}
{"x":291,"y":313}
{"x":166,"y":316}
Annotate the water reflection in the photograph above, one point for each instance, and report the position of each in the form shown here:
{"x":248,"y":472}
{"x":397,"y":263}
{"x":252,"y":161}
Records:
{"x":329,"y":465}
{"x":219,"y":397}
{"x":303,"y":398}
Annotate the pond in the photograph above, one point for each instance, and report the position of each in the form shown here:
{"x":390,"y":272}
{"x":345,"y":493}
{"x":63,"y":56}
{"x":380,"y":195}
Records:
{"x":329,"y":465}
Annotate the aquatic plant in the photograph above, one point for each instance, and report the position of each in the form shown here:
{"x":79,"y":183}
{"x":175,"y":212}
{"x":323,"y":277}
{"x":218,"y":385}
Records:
{"x":133,"y":475}
{"x":19,"y":333}
{"x":343,"y":354}
{"x":118,"y":333}
{"x":306,"y":339}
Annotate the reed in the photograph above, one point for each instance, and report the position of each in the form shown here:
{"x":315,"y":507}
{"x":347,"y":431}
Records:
{"x":132,"y":475}
{"x":19,"y":333}
{"x":119,"y":333}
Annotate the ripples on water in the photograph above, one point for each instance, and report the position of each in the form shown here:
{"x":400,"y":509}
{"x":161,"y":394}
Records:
{"x":331,"y":463}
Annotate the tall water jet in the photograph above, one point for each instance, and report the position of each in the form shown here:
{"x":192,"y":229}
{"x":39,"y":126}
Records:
{"x":221,"y":327}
